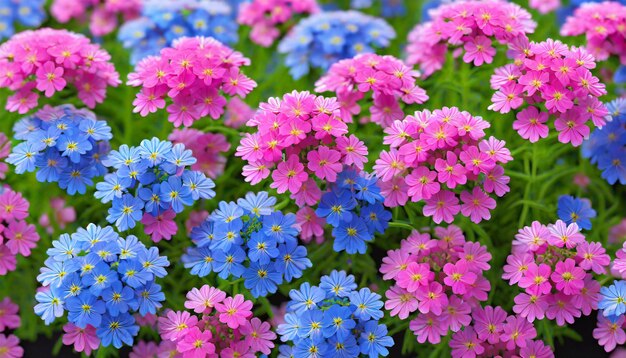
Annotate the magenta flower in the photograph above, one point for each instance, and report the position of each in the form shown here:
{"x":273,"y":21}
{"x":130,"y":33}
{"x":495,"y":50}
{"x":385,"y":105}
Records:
{"x":458,"y":277}
{"x":9,"y":319}
{"x":394,"y":263}
{"x":561,"y":309}
{"x":234,"y":311}
{"x":530,"y":306}
{"x":414,"y":276}
{"x":488,"y":323}
{"x":83,"y":339}
{"x":477,"y":205}
{"x":204,"y":299}
{"x":431,"y":298}
{"x":568,"y":277}
{"x":259,"y":335}
{"x":563,"y":235}
{"x":532,"y":237}
{"x":400,"y":302}
{"x":428,"y":327}
{"x":289,"y":175}
{"x":450,"y":172}
{"x":325,"y":163}
{"x":517,"y":331}
{"x":442,"y":206}
{"x":175,"y":324}
{"x":465,"y":343}
{"x":161,"y":226}
{"x":21,"y":237}
{"x":609,"y":334}
{"x":507,"y":98}
{"x":536,"y":279}
{"x":196,"y":343}
{"x":593,"y":257}
{"x":50,"y":78}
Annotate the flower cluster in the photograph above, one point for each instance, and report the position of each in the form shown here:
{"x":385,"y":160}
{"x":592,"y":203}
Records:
{"x":163,"y":21}
{"x":617,"y":233}
{"x":63,"y":145}
{"x":249,"y":239}
{"x":299,"y":137}
{"x":16,"y":236}
{"x":207,"y":148}
{"x":334,"y":320}
{"x":325,"y":38}
{"x":552,"y":74}
{"x":265,"y":17}
{"x":470,"y":27}
{"x":619,"y":263}
{"x":60,"y":215}
{"x":574,"y":210}
{"x":28,"y":13}
{"x":606,"y":146}
{"x":440,"y":277}
{"x":100,"y":279}
{"x":388,"y":79}
{"x":353,"y":206}
{"x":604,"y":25}
{"x":9,"y":320}
{"x":546,"y":6}
{"x":494,"y":333}
{"x":193,"y":73}
{"x":151,"y":183}
{"x":388,"y":8}
{"x":554,"y":264}
{"x":237,"y":113}
{"x":48,"y":60}
{"x":435,"y":155}
{"x":230,"y":330}
{"x":102,"y":15}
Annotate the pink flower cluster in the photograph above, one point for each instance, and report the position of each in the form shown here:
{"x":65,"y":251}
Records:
{"x":193,"y":73}
{"x":104,"y":13}
{"x":228,"y":331}
{"x":16,"y":236}
{"x":207,"y":148}
{"x":551,"y":75}
{"x":554,"y":265}
{"x":5,"y":149}
{"x":266,"y":16}
{"x":164,"y":349}
{"x":494,"y":333}
{"x":237,"y":113}
{"x":604,"y":25}
{"x":617,"y":233}
{"x":9,"y":320}
{"x":544,"y":6}
{"x":440,"y":277}
{"x":48,"y":60}
{"x":439,"y":157}
{"x":299,"y":137}
{"x":61,"y":215}
{"x":470,"y":27}
{"x":388,"y":79}
{"x":618,"y":268}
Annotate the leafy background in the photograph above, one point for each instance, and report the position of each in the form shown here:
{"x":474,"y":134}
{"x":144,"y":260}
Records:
{"x":540,"y":173}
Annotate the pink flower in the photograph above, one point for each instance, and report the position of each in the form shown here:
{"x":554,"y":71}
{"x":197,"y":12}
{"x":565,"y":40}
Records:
{"x":568,"y":277}
{"x":234,"y":311}
{"x":534,"y":81}
{"x":259,"y":335}
{"x":83,"y":339}
{"x":388,"y":165}
{"x":422,"y":184}
{"x":161,"y":226}
{"x":311,"y":225}
{"x":479,"y":51}
{"x":572,"y":128}
{"x":465,"y":343}
{"x":561,"y":309}
{"x":8,"y":260}
{"x":400,"y":302}
{"x":431,"y":298}
{"x":353,"y":150}
{"x":516,"y":267}
{"x":531,"y":306}
{"x":10,"y":347}
{"x":50,"y":78}
{"x":557,"y":98}
{"x":196,"y":344}
{"x":593,"y":257}
{"x":442,"y":207}
{"x":458,"y":277}
{"x":416,"y":244}
{"x":562,"y":235}
{"x":9,"y":319}
{"x":148,"y":100}
{"x":476,"y":205}
{"x":475,"y":256}
{"x":289,"y":176}
{"x":507,"y":98}
{"x":536,"y":279}
{"x":476,"y":161}
{"x":532,"y":237}
{"x":428,"y":327}
{"x":488,"y":323}
{"x":516,"y":332}
{"x":394,"y":263}
{"x":394,"y":192}
{"x":13,"y":206}
{"x":536,"y":349}
{"x":144,"y":350}
{"x":175,"y":324}
{"x":325,"y":163}
{"x":609,"y":334}
{"x":21,"y":237}
{"x":204,"y":299}
{"x":496,"y":182}
{"x":414,"y":276}
{"x":450,"y":171}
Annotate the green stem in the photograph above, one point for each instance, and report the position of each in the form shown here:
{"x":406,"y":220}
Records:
{"x":283,"y":204}
{"x":401,"y":225}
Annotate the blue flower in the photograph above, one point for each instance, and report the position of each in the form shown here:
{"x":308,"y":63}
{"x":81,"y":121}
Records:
{"x":149,"y":298}
{"x":259,"y":204}
{"x":336,"y":209}
{"x":133,"y":273}
{"x":374,"y":340}
{"x":343,"y":348}
{"x":100,"y":278}
{"x":199,"y":185}
{"x":125,"y":212}
{"x":73,"y":146}
{"x":613,"y":299}
{"x":337,"y":322}
{"x":289,"y":329}
{"x":292,"y":259}
{"x":112,"y":187}
{"x":152,"y":262}
{"x":338,"y":283}
{"x":310,"y":348}
{"x":129,"y":247}
{"x":376,"y":218}
{"x":306,"y":298}
{"x":311,"y":324}
{"x":64,"y":248}
{"x":117,"y":330}
{"x":49,"y":306}
{"x":119,"y":299}
{"x":54,"y":272}
{"x":26,"y":13}
{"x":174,"y":192}
{"x":75,"y":179}
{"x":71,"y":286}
{"x":200,"y":260}
{"x":23,"y":157}
{"x":280,"y":227}
{"x":202,"y":235}
{"x":575,"y":210}
{"x":368,"y":304}
{"x":261,"y":279}
{"x":227,"y":235}
{"x":230,"y":262}
{"x":85,"y":309}
{"x":262,"y":248}
{"x":351,"y":236}
{"x":155,"y":150}
{"x":227,"y":212}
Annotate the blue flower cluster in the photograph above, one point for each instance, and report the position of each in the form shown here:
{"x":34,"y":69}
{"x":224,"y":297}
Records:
{"x":388,"y":8}
{"x":157,"y":173}
{"x":63,"y":144}
{"x":28,"y":13}
{"x":575,"y":210}
{"x":325,"y":38}
{"x":163,"y":21}
{"x":249,"y":239}
{"x":101,"y":279}
{"x":613,"y":300}
{"x":567,"y":10}
{"x":354,"y":207}
{"x":606,"y":146}
{"x":334,"y":320}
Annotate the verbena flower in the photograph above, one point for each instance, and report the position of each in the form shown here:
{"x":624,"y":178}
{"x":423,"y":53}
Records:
{"x":325,"y":38}
{"x":436,"y":157}
{"x":102,"y":15}
{"x":471,"y":35}
{"x":151,"y":183}
{"x":556,"y":82}
{"x":101,"y":281}
{"x":207,"y":148}
{"x":16,"y":237}
{"x":388,"y":79}
{"x":17,"y":14}
{"x":334,"y":319}
{"x":600,"y":23}
{"x":225,"y":326}
{"x":163,"y":21}
{"x":63,"y":145}
{"x":49,"y":60}
{"x":267,"y":18}
{"x":193,"y":73}
{"x":575,"y":210}
{"x":606,"y":146}
{"x":249,"y":239}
